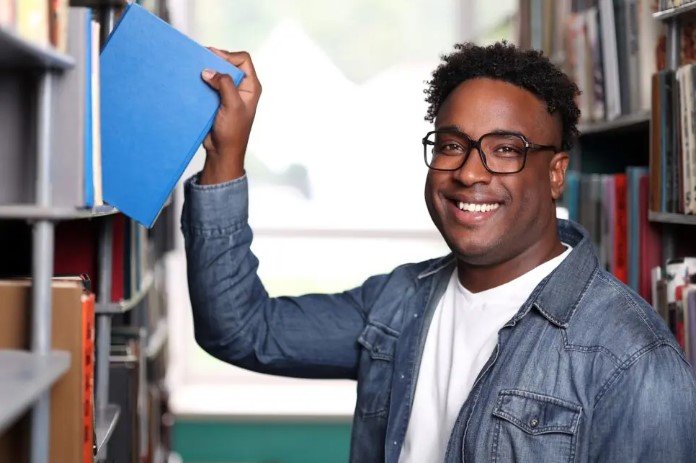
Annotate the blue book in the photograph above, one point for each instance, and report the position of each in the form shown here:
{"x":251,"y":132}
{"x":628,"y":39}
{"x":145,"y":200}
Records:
{"x":156,"y":110}
{"x":89,"y":129}
{"x":633,"y":176}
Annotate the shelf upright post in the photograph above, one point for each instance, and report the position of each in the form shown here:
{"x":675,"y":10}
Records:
{"x":673,"y":46}
{"x":107,"y":16}
{"x":103,"y":344}
{"x":42,"y":267}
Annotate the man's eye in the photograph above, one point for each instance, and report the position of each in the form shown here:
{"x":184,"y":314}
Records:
{"x":450,"y":148}
{"x":508,"y":150}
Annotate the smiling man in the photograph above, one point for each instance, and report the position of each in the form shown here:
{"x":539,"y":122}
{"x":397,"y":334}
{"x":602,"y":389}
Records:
{"x":517,"y":347}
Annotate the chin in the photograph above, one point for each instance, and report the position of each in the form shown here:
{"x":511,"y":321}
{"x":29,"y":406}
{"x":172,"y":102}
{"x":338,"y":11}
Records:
{"x":477,"y":253}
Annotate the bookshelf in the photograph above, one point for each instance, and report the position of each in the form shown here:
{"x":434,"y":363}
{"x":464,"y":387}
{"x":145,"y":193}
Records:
{"x":104,"y":428}
{"x":31,"y":212}
{"x":673,"y":13}
{"x":670,"y":218}
{"x":17,"y":52}
{"x":630,"y":122}
{"x":635,"y":141}
{"x":33,"y":79}
{"x":24,"y":377}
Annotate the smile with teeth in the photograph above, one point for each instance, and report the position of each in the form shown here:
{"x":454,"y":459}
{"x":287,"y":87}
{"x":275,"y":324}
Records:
{"x":473,"y":207}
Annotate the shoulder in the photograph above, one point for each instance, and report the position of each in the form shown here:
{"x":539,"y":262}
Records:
{"x":611,"y":316}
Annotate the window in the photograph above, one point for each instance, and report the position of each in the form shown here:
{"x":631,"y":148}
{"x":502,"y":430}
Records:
{"x":335,"y":157}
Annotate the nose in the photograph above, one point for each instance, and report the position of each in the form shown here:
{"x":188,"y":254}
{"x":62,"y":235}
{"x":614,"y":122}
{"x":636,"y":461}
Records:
{"x":473,"y":170}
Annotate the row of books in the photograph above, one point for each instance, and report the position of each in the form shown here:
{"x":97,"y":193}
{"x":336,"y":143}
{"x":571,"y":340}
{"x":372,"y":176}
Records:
{"x":72,"y":397}
{"x":77,"y":252}
{"x":76,"y":136}
{"x":673,"y":141}
{"x":43,"y":22}
{"x":614,"y":210}
{"x":136,"y":378}
{"x":119,"y":134}
{"x":611,"y":48}
{"x":137,"y":387}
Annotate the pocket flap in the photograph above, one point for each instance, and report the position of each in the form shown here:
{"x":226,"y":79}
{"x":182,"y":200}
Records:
{"x":536,"y":413}
{"x":379,"y":340}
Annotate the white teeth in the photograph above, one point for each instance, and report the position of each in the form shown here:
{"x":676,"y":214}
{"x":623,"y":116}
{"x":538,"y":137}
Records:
{"x":472,"y":207}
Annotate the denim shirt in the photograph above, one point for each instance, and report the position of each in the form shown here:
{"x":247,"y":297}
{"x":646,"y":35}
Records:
{"x":585,"y":371}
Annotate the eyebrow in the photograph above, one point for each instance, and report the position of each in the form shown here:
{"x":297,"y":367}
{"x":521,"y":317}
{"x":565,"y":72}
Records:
{"x":495,"y":131}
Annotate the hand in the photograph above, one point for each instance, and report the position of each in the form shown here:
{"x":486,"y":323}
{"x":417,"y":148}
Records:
{"x":226,"y":143}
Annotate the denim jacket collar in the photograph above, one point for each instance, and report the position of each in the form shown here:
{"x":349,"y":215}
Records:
{"x":557,"y":296}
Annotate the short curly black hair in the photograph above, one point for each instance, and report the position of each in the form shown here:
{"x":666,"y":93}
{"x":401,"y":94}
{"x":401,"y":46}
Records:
{"x":527,"y":69}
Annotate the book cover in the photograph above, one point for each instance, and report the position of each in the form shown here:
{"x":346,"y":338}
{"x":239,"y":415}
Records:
{"x":72,"y":330}
{"x":650,"y":247}
{"x":620,"y":245}
{"x":71,"y":137}
{"x":691,"y":309}
{"x":610,"y":59}
{"x":156,"y":110}
{"x":633,"y":176}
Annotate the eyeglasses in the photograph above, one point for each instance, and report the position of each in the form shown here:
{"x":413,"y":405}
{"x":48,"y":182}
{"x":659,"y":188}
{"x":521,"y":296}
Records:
{"x":500,"y":152}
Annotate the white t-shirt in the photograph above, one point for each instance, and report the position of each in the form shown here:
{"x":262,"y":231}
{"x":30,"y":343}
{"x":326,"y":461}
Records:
{"x":467,"y":324}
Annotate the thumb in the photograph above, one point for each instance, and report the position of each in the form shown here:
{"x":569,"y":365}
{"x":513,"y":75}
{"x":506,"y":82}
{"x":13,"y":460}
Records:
{"x":223,"y":84}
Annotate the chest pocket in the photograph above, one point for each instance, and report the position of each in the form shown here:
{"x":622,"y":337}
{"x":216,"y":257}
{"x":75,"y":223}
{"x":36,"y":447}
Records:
{"x":376,"y":370}
{"x":534,"y":427}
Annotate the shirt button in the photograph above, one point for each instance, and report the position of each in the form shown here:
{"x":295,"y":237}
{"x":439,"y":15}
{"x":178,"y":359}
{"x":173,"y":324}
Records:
{"x":415,"y":315}
{"x":395,"y":443}
{"x":534,"y":422}
{"x":403,"y":376}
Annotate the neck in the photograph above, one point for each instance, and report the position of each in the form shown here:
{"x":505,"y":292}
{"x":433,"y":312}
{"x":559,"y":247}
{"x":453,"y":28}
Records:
{"x":477,"y":278}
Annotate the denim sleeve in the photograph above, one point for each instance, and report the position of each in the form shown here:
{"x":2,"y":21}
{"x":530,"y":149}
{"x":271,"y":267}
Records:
{"x":649,"y":413}
{"x":235,"y":320}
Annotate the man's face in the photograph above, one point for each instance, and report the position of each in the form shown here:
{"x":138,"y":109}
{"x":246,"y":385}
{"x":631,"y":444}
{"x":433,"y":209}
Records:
{"x":518,"y":214}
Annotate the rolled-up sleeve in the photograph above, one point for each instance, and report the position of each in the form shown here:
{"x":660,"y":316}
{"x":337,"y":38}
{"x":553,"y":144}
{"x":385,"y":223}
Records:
{"x":234,"y":318}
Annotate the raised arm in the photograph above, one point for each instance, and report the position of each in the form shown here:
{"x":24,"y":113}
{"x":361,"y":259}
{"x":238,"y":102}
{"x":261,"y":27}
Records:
{"x":235,"y":320}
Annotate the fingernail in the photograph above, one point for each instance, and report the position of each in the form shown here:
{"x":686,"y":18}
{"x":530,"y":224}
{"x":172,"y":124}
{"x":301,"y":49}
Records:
{"x":208,"y":74}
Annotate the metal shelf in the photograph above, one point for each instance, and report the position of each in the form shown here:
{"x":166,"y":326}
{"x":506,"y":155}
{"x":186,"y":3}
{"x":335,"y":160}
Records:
{"x":113,"y":308}
{"x":669,"y":217}
{"x":17,"y":52}
{"x":627,"y":122}
{"x":31,"y":212}
{"x":24,"y":377}
{"x":156,"y":339}
{"x":674,"y":12}
{"x":105,"y":424}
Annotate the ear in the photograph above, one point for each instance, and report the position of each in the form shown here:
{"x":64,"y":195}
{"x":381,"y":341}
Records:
{"x":557,"y":171}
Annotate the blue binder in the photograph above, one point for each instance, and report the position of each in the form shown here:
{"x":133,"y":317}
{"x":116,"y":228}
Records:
{"x":156,"y":110}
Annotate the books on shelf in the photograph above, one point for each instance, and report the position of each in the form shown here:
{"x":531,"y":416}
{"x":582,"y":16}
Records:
{"x":72,"y":397}
{"x":614,"y":210}
{"x":42,"y":22}
{"x":673,"y":147}
{"x":676,"y":301}
{"x":611,"y":48}
{"x":74,"y":150}
{"x":156,"y":110}
{"x":76,"y":176}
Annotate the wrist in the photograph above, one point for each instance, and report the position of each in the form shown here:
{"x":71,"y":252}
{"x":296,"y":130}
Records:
{"x":215,"y":172}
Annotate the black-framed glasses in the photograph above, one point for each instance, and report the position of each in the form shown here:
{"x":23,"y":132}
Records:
{"x":500,"y":152}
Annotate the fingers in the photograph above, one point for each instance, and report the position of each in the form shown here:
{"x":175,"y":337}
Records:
{"x":242,"y":60}
{"x":229,"y":96}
